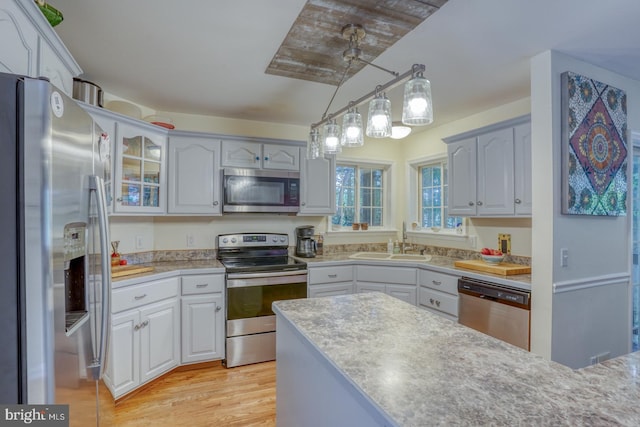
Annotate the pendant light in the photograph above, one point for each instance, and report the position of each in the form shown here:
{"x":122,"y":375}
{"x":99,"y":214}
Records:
{"x":315,"y":147}
{"x":399,"y":131}
{"x":332,"y":137}
{"x":417,"y":107}
{"x":379,"y":118}
{"x":352,"y":129}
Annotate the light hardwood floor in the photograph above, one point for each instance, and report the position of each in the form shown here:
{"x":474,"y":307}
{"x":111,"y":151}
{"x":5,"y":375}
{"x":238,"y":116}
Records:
{"x":212,"y":396}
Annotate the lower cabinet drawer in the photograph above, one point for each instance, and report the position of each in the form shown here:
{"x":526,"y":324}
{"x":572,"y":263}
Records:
{"x":439,"y":281}
{"x":439,"y":301}
{"x":342,"y":273}
{"x":202,"y":284}
{"x":144,"y":293}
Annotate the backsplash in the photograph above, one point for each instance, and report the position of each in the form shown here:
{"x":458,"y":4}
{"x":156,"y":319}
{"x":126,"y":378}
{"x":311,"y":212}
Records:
{"x":206,"y":254}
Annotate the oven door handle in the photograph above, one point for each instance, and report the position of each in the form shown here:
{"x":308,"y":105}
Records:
{"x":267,"y":281}
{"x":262,"y":274}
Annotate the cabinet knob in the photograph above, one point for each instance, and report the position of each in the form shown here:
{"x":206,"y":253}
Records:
{"x":431,"y":301}
{"x":437,"y":303}
{"x":145,"y":323}
{"x":257,"y":158}
{"x":138,"y":297}
{"x":135,"y":328}
{"x":518,"y":201}
{"x":218,"y":308}
{"x":479,"y":203}
{"x":266,"y":158}
{"x":119,"y":199}
{"x":302,"y":203}
{"x":471,"y":203}
{"x":215,"y":203}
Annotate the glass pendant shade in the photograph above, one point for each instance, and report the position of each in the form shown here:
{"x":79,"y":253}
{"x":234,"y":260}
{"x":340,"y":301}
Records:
{"x":315,"y":148}
{"x":352,"y":129}
{"x":379,"y":118}
{"x":332,"y":137}
{"x":417,"y":108}
{"x":399,"y":131}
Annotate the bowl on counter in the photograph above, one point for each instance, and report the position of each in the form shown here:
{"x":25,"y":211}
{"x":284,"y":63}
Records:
{"x":492,"y":259}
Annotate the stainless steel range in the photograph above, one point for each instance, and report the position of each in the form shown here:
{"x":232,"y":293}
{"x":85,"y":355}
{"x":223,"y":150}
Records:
{"x":259,"y":271}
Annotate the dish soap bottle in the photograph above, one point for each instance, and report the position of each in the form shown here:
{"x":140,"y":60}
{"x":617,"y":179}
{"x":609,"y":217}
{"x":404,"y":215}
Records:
{"x":390,"y":247}
{"x":319,"y":245}
{"x":396,"y":247}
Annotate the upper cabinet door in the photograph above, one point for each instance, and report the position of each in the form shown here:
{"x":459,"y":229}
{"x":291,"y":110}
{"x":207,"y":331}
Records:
{"x":522,"y":149}
{"x":194,"y":175}
{"x":19,"y":47}
{"x":462,"y":177}
{"x":140,"y":179}
{"x":318,"y":186}
{"x":495,"y":173}
{"x":241,"y":154}
{"x":282,"y":157}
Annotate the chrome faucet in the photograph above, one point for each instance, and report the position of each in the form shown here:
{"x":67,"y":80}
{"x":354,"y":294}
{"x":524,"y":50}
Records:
{"x":404,"y":246}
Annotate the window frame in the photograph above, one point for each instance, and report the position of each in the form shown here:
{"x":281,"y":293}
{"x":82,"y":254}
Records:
{"x":413,"y":203}
{"x":386,"y":168}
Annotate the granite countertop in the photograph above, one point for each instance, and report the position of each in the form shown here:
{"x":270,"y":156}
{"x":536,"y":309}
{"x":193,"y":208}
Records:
{"x":439,"y":263}
{"x":422,"y":369}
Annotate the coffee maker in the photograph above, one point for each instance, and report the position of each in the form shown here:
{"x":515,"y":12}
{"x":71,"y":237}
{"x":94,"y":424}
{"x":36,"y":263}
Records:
{"x":305,"y":244}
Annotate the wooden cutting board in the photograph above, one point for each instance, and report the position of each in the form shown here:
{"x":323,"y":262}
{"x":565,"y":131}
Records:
{"x":504,"y":268}
{"x":126,"y":270}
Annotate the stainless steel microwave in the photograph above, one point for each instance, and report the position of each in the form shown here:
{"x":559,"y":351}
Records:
{"x":256,"y":190}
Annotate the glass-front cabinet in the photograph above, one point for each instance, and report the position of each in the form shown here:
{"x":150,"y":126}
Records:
{"x":140,"y":185}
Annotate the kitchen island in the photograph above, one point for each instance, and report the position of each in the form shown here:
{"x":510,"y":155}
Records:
{"x":370,"y":359}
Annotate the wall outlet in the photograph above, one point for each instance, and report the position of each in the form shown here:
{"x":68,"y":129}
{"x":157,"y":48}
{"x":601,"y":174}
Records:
{"x":139,"y":242}
{"x":564,"y":257}
{"x":473,"y":241}
{"x":191,"y":241}
{"x":504,"y":243}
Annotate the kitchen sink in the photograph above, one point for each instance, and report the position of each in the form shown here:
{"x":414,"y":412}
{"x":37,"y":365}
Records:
{"x":391,"y":257}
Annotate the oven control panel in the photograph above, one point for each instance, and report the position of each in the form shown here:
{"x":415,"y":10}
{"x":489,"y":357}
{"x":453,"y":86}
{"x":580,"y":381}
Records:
{"x":242,"y":240}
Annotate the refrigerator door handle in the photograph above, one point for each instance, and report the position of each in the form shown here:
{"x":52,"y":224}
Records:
{"x":96,"y":184}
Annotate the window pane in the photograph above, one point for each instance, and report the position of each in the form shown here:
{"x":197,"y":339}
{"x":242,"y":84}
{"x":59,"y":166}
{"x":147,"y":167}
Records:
{"x":436,"y":177}
{"x":436,"y":197}
{"x":365,"y":178}
{"x":376,"y":178}
{"x":377,"y":197}
{"x":377,"y":218}
{"x":427,"y":197}
{"x":426,"y":177}
{"x":365,"y":215}
{"x":365,"y":197}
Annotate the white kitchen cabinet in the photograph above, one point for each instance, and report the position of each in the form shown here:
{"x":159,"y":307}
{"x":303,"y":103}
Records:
{"x":194,"y":174}
{"x":31,"y":47}
{"x":140,"y":168}
{"x":523,"y":183}
{"x":202,"y":318}
{"x":329,"y":280}
{"x":318,"y":186}
{"x":399,"y":282}
{"x":484,"y":170}
{"x":145,"y":334}
{"x":257,"y":155}
{"x":438,"y":293}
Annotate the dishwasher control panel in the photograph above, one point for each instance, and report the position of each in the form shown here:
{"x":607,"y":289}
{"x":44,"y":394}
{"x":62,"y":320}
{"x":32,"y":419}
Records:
{"x":492,"y":291}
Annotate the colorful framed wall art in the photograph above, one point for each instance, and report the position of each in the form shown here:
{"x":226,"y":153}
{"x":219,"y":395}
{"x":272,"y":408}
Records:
{"x":594,"y":147}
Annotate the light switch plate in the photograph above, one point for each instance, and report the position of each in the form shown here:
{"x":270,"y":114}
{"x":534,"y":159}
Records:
{"x":504,"y":243}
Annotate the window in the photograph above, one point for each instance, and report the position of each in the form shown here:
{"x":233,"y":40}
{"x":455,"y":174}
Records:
{"x":432,"y":194}
{"x":360,"y":195}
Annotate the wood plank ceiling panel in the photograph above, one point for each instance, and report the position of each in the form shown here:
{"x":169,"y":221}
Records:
{"x":312,"y":50}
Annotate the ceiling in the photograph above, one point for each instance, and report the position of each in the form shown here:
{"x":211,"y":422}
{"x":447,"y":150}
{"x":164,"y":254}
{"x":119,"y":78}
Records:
{"x":210,"y":57}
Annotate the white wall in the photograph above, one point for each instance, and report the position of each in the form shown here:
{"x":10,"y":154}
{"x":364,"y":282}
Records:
{"x":580,"y":310}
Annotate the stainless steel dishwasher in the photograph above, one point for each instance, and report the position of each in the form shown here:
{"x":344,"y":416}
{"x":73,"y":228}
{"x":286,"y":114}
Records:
{"x":499,"y":311}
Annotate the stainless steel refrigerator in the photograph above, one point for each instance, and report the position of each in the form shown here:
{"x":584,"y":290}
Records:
{"x":54,"y":252}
